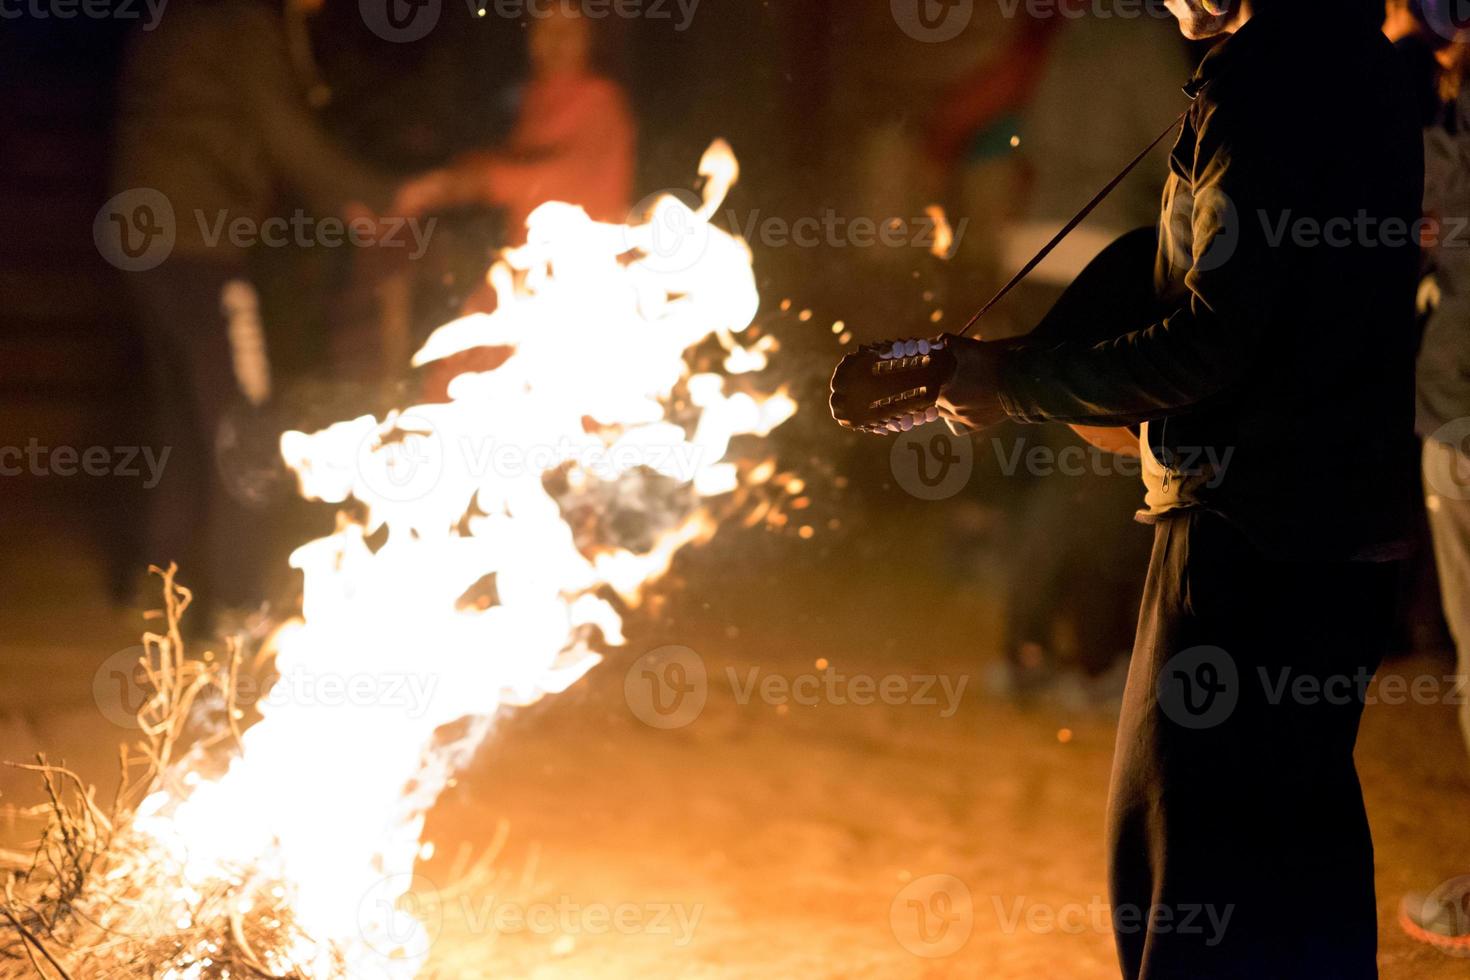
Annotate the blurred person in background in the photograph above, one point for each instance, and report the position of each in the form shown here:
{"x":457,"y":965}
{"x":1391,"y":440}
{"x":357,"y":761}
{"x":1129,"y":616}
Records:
{"x":574,"y":141}
{"x":215,"y":114}
{"x":1421,"y":624}
{"x":971,"y":145}
{"x":1442,"y":917}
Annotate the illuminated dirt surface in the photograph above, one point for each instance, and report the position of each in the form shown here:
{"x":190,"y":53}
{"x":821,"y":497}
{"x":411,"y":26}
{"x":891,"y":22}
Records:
{"x":756,"y":840}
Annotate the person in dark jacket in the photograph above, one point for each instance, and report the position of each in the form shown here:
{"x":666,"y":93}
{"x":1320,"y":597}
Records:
{"x":1274,"y":405}
{"x":1441,"y":917}
{"x":214,"y":125}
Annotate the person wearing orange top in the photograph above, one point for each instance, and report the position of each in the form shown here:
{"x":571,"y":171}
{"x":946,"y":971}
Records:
{"x":573,"y":141}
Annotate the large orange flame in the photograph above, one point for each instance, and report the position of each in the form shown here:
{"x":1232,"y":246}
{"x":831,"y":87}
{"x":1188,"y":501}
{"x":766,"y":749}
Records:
{"x":329,"y":793}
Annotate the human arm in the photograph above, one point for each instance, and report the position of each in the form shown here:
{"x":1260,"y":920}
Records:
{"x":1235,"y":280}
{"x":587,"y":147}
{"x":1118,"y":440}
{"x":298,"y":148}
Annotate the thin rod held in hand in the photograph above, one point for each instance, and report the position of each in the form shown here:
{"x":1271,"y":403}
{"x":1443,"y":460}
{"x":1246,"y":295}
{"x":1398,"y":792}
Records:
{"x":1071,"y":226}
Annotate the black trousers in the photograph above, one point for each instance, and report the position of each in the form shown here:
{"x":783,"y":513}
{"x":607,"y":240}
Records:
{"x":196,"y":516}
{"x":1240,"y":845}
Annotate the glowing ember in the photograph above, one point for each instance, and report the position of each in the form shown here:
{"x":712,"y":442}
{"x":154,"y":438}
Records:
{"x":944,"y":243}
{"x":459,"y":586}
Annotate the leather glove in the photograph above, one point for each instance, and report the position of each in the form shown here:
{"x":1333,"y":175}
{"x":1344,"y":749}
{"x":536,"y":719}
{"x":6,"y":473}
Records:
{"x":897,"y":385}
{"x":971,"y":397}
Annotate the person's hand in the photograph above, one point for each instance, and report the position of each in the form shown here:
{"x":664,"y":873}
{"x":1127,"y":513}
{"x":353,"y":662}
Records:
{"x":971,"y":397}
{"x":426,"y":192}
{"x":894,"y":386}
{"x":356,"y":211}
{"x":890,"y":387}
{"x":1430,"y":296}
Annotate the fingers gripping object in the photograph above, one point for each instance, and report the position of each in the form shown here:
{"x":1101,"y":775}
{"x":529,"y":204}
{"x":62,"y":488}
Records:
{"x":893,"y":386}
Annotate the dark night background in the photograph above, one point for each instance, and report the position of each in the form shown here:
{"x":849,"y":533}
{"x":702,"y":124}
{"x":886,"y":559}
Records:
{"x":795,"y":828}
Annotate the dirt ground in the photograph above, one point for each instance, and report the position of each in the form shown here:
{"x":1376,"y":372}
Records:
{"x":756,"y":838}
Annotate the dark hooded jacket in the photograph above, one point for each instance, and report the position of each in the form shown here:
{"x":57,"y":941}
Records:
{"x":1286,"y":272}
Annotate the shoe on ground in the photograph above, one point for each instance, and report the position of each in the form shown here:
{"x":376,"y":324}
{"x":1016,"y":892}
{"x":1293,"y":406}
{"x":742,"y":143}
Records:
{"x":1440,"y":918}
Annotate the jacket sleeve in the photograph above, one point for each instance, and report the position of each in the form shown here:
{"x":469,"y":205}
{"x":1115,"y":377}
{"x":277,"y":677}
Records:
{"x":1111,"y":296}
{"x":1447,"y":161}
{"x":297,"y":148}
{"x":1202,"y":348}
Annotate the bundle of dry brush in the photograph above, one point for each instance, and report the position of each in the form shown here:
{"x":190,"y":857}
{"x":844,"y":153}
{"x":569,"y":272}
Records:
{"x":95,"y":898}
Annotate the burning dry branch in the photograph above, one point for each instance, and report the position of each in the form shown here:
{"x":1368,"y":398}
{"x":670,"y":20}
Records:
{"x":93,"y":900}
{"x":483,"y":554}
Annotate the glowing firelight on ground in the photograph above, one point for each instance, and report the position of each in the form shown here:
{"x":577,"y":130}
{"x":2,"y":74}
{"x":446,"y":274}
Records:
{"x":457,"y":586}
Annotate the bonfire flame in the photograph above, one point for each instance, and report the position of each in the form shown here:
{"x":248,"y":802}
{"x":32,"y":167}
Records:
{"x":457,"y":586}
